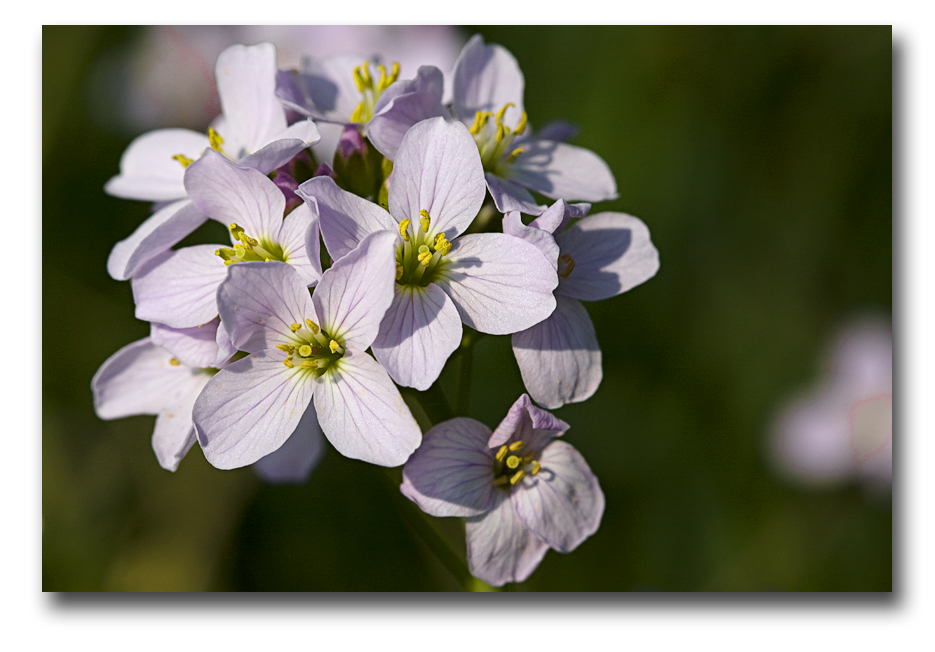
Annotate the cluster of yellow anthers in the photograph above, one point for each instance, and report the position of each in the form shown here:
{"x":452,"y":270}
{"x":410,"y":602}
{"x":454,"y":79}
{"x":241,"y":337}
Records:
{"x":371,"y":91}
{"x":213,"y":137}
{"x":248,"y":249}
{"x":315,"y":349}
{"x":511,"y":469}
{"x":417,"y":253}
{"x":496,"y":145}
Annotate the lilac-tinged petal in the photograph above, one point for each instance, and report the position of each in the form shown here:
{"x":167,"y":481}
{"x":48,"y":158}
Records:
{"x":612,"y":254}
{"x":174,"y":433}
{"x":485,"y":78}
{"x":564,"y":171}
{"x":559,"y":358}
{"x":195,"y":346}
{"x":259,"y":301}
{"x":500,"y":547}
{"x":438,"y":169}
{"x":557,"y":216}
{"x":563,"y":503}
{"x":510,"y":196}
{"x":300,"y":227}
{"x":558,"y":131}
{"x":499,"y":283}
{"x":356,"y":291}
{"x":232,"y":194}
{"x":179,"y":290}
{"x":159,"y":233}
{"x":294,"y":461}
{"x":283,"y":148}
{"x":226,"y":348}
{"x":387,"y":128}
{"x":451,"y":473}
{"x":346,"y":219}
{"x":248,"y":409}
{"x":362,"y":414}
{"x":323,"y":89}
{"x":147,"y":169}
{"x":526,"y":422}
{"x":246,"y":79}
{"x":419,"y":332}
{"x":428,"y":80}
{"x":140,"y":379}
{"x":542,"y":240}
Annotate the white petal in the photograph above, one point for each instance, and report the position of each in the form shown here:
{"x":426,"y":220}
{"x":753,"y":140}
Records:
{"x":485,"y":78}
{"x":500,"y":547}
{"x":543,"y":240}
{"x":563,"y":171}
{"x":299,"y":227}
{"x":294,"y":461}
{"x":147,"y":169}
{"x":174,"y":433}
{"x":195,"y":347}
{"x":282,"y":147}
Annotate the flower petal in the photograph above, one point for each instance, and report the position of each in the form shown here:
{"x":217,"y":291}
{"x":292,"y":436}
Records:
{"x":179,"y":290}
{"x":563,"y":171}
{"x":612,"y":254}
{"x":282,"y":147}
{"x":556,"y":217}
{"x":451,"y":473}
{"x":195,"y":347}
{"x":356,"y":291}
{"x":526,"y":422}
{"x":346,"y":219}
{"x":563,"y":503}
{"x":510,"y":196}
{"x":174,"y":433}
{"x":323,"y":89}
{"x":438,"y":169}
{"x":233,"y":194}
{"x":147,"y":169}
{"x":485,"y":78}
{"x":298,"y":229}
{"x":543,"y":240}
{"x":500,"y":547}
{"x":419,"y":332}
{"x":294,"y":461}
{"x":401,"y":106}
{"x":259,"y":301}
{"x":362,"y":414}
{"x":559,"y":358}
{"x":248,"y":409}
{"x":499,"y":283}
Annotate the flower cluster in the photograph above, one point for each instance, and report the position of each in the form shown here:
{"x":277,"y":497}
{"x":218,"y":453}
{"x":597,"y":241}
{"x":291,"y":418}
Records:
{"x":261,"y":345}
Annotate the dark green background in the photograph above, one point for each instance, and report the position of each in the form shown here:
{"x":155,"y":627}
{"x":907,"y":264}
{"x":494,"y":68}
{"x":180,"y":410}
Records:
{"x":760,"y":159}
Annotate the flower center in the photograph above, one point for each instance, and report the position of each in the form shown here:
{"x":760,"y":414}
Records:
{"x":313,"y":349}
{"x":495,"y":140}
{"x":420,"y":258}
{"x":216,"y":141}
{"x":249,"y":249}
{"x":371,"y":91}
{"x":511,"y":465}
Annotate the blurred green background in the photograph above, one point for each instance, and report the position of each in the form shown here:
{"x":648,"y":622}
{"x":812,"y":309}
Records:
{"x":760,"y":159}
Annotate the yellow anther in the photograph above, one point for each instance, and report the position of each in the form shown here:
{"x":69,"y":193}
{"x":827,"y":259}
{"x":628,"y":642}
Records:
{"x":365,"y":74}
{"x":501,"y":132}
{"x":174,"y":362}
{"x":228,"y":262}
{"x":512,"y":461}
{"x":358,"y":114}
{"x":480,"y":119}
{"x":516,"y":445}
{"x":404,"y":229}
{"x":334,"y":346}
{"x":309,"y":364}
{"x":359,"y":79}
{"x":424,"y":220}
{"x":294,"y":327}
{"x":394,"y":73}
{"x":425,"y":256}
{"x":517,"y":476}
{"x":236,"y":231}
{"x":305,"y":350}
{"x":312,"y":326}
{"x":501,"y":453}
{"x":184,"y":160}
{"x":441,"y":244}
{"x":502,"y":111}
{"x":215,"y":139}
{"x":514,"y":155}
{"x":569,"y":263}
{"x":399,"y":271}
{"x":383,"y":83}
{"x":521,"y":127}
{"x":287,"y":361}
{"x":288,"y":348}
{"x":536,"y":467}
{"x":502,"y":480}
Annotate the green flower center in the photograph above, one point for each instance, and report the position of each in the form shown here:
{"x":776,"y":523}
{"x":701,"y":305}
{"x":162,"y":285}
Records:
{"x":371,"y":90}
{"x":312,"y":350}
{"x":250,"y":249}
{"x":420,"y":258}
{"x":495,"y":140}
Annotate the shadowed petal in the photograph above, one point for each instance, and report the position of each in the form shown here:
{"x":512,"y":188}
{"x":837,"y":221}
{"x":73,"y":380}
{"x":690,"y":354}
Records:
{"x":195,"y":347}
{"x":294,"y":461}
{"x":299,"y":228}
{"x":451,"y":473}
{"x":559,"y":358}
{"x":564,"y":171}
{"x":147,"y":169}
{"x":283,"y":147}
{"x":401,"y":106}
{"x":363,"y":415}
{"x":563,"y":503}
{"x":500,"y":548}
{"x":543,"y":240}
{"x":323,"y":89}
{"x":510,"y":196}
{"x":485,"y":78}
{"x":419,"y":332}
{"x":174,"y":433}
{"x":528,"y":423}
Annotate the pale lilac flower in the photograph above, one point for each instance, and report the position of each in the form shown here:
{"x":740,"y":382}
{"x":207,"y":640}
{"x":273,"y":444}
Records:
{"x":304,"y":349}
{"x":521,"y":491}
{"x":843,"y":428}
{"x":598,"y":257}
{"x":492,"y":282}
{"x":179,"y":288}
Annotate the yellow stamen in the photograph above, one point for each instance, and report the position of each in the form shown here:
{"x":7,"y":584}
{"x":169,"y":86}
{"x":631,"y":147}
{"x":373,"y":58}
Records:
{"x":512,"y":461}
{"x":514,"y":155}
{"x":516,"y":445}
{"x":184,"y":160}
{"x":517,"y":476}
{"x":502,"y":111}
{"x":305,"y":350}
{"x":441,"y":244}
{"x":359,"y":79}
{"x":240,"y":251}
{"x":404,"y":229}
{"x":358,"y":114}
{"x":536,"y":467}
{"x":215,"y":139}
{"x":569,"y":263}
{"x":174,"y":362}
{"x":425,"y":256}
{"x":521,"y":127}
{"x":501,"y":453}
{"x":394,"y":73}
{"x":287,"y":361}
{"x":383,"y":83}
{"x":309,"y":364}
{"x":399,"y":271}
{"x":236,"y":231}
{"x":501,"y":132}
{"x":424,"y":220}
{"x":294,"y":327}
{"x":334,"y":346}
{"x":502,"y":480}
{"x":365,"y":74}
{"x":288,"y":348}
{"x":480,"y":119}
{"x":312,"y":326}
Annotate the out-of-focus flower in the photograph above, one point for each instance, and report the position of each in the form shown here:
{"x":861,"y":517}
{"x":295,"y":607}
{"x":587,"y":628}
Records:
{"x":843,"y":429}
{"x":521,"y":491}
{"x":493,"y":282}
{"x":303,"y":349}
